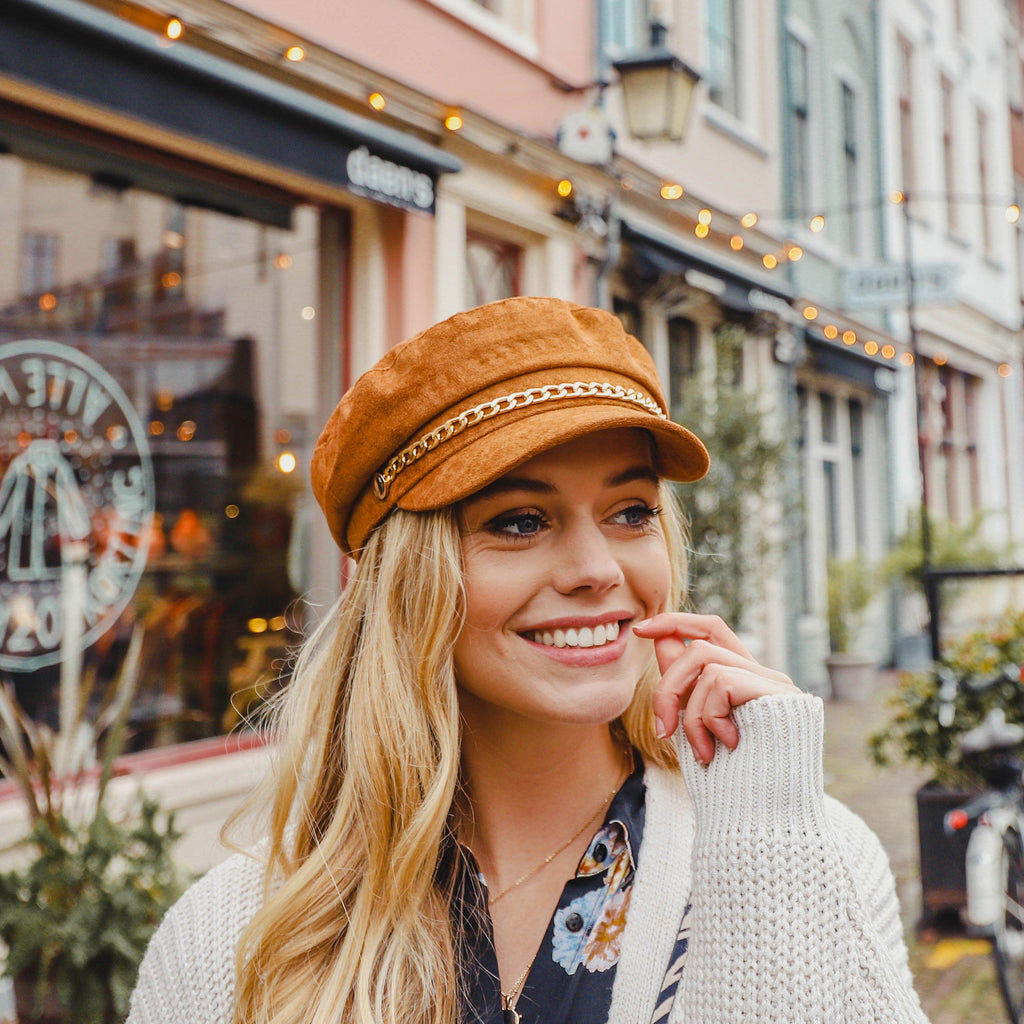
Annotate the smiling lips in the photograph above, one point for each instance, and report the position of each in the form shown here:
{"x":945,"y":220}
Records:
{"x":585,"y":636}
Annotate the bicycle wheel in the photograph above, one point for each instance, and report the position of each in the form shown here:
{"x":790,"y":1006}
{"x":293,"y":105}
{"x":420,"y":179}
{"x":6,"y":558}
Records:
{"x":1008,"y":931}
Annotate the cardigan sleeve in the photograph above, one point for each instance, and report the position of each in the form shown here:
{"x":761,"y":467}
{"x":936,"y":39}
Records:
{"x":794,"y":907}
{"x":188,"y":973}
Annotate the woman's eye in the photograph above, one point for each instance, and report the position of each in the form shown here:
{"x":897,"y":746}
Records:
{"x":518,"y":524}
{"x":637,"y":516}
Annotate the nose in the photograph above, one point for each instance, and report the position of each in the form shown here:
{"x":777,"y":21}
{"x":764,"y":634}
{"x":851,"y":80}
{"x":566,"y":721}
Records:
{"x":585,"y":560}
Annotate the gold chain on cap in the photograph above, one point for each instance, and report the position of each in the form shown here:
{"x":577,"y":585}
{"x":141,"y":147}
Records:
{"x":487,"y":410}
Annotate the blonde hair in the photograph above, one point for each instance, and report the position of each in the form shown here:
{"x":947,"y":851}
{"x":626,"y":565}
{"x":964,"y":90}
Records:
{"x":356,"y":926}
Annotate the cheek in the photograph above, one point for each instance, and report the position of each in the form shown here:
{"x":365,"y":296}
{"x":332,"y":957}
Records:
{"x":657,"y":575}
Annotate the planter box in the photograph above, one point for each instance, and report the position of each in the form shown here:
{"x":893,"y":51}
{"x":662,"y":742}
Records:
{"x":943,"y":858}
{"x":852,"y":676}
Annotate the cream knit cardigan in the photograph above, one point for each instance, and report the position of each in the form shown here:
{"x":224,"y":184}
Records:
{"x":794,"y":917}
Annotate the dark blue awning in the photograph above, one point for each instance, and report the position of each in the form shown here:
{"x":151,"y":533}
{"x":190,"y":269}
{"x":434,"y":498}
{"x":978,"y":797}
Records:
{"x":87,"y":54}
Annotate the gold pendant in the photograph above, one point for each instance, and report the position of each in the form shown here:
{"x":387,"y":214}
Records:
{"x":509,"y":1015}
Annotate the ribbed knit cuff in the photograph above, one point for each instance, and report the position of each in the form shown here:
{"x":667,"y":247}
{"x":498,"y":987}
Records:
{"x":773,"y":779}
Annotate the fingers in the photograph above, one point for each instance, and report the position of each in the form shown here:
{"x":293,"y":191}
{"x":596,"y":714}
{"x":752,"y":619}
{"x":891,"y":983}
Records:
{"x":690,"y":626}
{"x":704,"y":678}
{"x":707,"y":715}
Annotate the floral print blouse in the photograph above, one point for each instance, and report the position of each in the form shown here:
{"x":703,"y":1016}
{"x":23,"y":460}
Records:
{"x":571,"y":979}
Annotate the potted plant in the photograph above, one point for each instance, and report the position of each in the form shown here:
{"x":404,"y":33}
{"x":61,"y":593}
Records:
{"x":851,"y":586}
{"x":920,"y":732}
{"x":77,"y":914}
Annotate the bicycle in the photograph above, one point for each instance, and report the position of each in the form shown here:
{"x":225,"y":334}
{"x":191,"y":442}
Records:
{"x":995,"y":849}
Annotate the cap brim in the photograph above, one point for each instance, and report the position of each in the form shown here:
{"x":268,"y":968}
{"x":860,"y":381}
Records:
{"x":489,"y":455}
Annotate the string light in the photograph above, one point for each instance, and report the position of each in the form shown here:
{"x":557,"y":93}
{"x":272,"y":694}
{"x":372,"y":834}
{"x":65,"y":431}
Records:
{"x":286,"y":462}
{"x":47,"y":302}
{"x":831,"y":332}
{"x":232,"y":511}
{"x":704,"y":217}
{"x":377,"y":101}
{"x":282,"y":261}
{"x":769,"y":260}
{"x":1005,"y":369}
{"x":736,"y":242}
{"x":871,"y":347}
{"x":748,"y":220}
{"x":295,"y":54}
{"x":671,"y":190}
{"x":941,"y":359}
{"x":794,"y":252}
{"x":849,"y":337}
{"x":810,"y":312}
{"x":1012,"y":213}
{"x":174,"y":28}
{"x":896,"y":197}
{"x":817,"y":224}
{"x":907,"y":358}
{"x":564,"y":188}
{"x":453,"y":122}
{"x":888,"y":351}
{"x":701,"y":230}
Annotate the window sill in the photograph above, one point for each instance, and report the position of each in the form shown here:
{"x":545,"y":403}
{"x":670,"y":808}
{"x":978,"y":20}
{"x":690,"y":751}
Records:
{"x":731,"y":126}
{"x":492,"y":25}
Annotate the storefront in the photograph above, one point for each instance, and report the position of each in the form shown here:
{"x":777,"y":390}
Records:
{"x":176,"y":268}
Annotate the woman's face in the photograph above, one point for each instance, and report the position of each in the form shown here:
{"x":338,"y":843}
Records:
{"x":562,"y":555}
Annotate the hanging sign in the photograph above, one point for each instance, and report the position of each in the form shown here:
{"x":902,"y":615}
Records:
{"x":884,"y":286}
{"x":76,"y":502}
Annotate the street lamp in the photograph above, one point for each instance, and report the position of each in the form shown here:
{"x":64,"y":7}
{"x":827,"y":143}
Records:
{"x":657,"y":90}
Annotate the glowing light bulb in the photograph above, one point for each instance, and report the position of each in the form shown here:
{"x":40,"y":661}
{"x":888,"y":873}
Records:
{"x":888,"y":351}
{"x":286,"y":462}
{"x":174,"y":28}
{"x":564,"y":188}
{"x":1013,"y":213}
{"x":896,"y":197}
{"x":671,"y":190}
{"x":748,"y":220}
{"x":871,"y":347}
{"x":377,"y":101}
{"x":1005,"y":369}
{"x":817,"y":224}
{"x":941,"y":359}
{"x":794,"y":252}
{"x":810,"y":312}
{"x":453,"y":122}
{"x":704,"y":217}
{"x":769,"y":260}
{"x":831,"y":332}
{"x":736,"y":242}
{"x":295,"y":54}
{"x":849,"y":337}
{"x":907,"y":358}
{"x":701,"y":230}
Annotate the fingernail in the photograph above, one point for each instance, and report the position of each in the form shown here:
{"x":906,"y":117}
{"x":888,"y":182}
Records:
{"x":700,"y":760}
{"x":660,"y":731}
{"x":641,"y":624}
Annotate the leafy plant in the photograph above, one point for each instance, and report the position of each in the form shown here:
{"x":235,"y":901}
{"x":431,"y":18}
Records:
{"x":916,"y":733}
{"x":952,"y":545}
{"x":77,"y":917}
{"x":852,"y":583}
{"x":727,"y":546}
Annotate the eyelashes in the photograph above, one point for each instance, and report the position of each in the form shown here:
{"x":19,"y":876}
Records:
{"x":527,"y":524}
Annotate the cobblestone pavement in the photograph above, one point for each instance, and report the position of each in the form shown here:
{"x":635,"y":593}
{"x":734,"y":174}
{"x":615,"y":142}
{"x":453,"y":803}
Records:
{"x":954,"y":976}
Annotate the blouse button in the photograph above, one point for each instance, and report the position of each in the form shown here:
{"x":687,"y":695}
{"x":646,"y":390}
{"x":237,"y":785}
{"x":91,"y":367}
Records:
{"x":600,"y":852}
{"x":574,"y":922}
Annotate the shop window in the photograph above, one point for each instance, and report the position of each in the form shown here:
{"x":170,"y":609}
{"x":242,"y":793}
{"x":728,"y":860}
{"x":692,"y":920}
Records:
{"x":155,"y":408}
{"x":493,"y":268}
{"x":724,"y":63}
{"x":828,"y":418}
{"x":683,"y":347}
{"x":38,"y":262}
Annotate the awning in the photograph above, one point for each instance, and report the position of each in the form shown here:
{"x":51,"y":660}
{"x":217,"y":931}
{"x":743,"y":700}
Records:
{"x":658,"y":254}
{"x":89,"y":55}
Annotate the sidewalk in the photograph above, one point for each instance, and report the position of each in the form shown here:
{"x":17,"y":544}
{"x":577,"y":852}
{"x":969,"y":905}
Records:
{"x":954,"y":976}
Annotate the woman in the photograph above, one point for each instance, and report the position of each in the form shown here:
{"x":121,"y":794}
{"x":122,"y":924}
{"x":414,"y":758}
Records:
{"x":513,"y":782}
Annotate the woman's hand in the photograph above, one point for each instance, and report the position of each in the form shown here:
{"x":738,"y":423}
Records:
{"x":705,"y":673}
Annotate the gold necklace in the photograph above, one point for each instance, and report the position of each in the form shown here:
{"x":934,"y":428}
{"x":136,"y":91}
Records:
{"x":491,"y":900}
{"x":509,"y":1014}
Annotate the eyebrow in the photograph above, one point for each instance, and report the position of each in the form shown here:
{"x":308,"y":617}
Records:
{"x":531,"y":485}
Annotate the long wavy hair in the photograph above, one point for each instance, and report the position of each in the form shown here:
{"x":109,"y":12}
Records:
{"x":356,"y":924}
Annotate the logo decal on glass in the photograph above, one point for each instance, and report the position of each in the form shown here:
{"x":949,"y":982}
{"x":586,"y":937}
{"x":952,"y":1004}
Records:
{"x":76,"y":492}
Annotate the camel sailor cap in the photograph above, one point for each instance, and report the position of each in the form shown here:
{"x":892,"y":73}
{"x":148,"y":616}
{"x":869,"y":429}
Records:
{"x":454,"y":408}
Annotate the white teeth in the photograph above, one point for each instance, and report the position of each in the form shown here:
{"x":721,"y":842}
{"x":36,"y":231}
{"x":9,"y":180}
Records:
{"x":585,"y":636}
